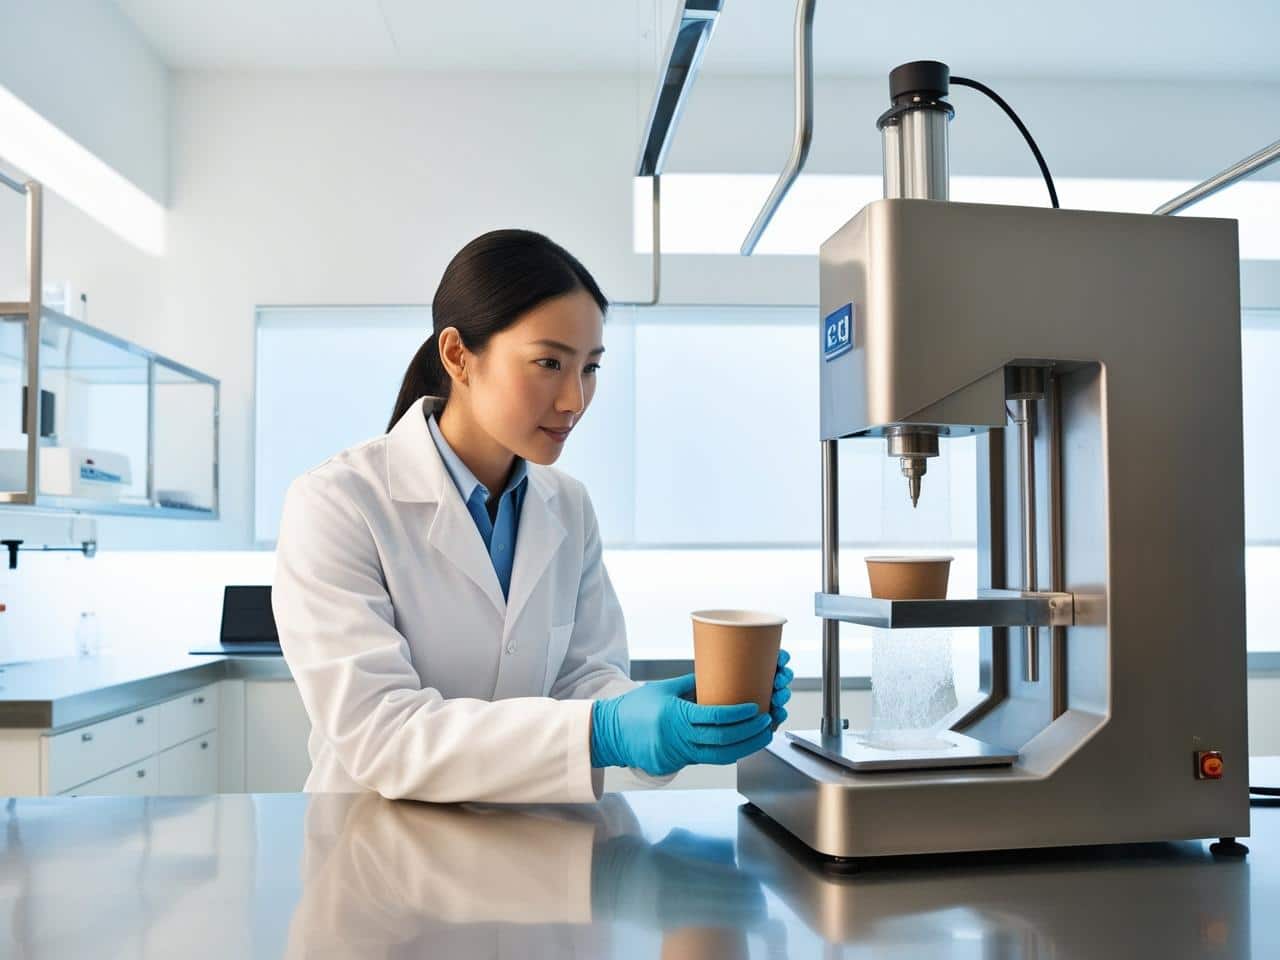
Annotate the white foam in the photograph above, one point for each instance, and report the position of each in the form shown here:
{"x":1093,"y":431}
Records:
{"x":912,"y":688}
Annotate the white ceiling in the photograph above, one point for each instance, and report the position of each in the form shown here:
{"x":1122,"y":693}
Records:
{"x":1132,"y":39}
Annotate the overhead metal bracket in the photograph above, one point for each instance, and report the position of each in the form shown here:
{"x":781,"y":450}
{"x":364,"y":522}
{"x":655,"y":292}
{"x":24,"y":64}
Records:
{"x":695,"y":19}
{"x":1237,"y":171}
{"x":804,"y":124}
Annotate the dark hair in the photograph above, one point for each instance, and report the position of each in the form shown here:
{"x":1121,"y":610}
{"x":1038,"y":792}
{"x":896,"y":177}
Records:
{"x":486,"y":287}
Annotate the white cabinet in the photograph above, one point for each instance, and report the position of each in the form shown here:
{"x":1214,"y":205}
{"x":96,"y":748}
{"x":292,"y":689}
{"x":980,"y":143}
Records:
{"x":275,"y":743}
{"x":92,"y":751}
{"x":231,"y":736}
{"x":166,"y":747}
{"x":192,"y":713}
{"x":190,"y":768}
{"x":136,"y":779}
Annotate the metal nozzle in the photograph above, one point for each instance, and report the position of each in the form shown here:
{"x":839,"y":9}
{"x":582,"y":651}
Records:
{"x":913,"y":468}
{"x":913,"y":446}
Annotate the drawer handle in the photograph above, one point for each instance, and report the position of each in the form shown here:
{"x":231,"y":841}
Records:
{"x":141,"y":774}
{"x":139,"y":719}
{"x":197,"y":700}
{"x":204,"y":744}
{"x":86,"y":737}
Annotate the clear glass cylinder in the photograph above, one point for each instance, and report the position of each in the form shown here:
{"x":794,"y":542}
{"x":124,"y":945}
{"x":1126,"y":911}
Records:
{"x":912,"y":688}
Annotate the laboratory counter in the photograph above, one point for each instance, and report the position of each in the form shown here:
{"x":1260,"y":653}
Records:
{"x":63,"y":692}
{"x":671,"y":874}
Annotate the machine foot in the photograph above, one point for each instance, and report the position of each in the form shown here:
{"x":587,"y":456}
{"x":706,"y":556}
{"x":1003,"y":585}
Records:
{"x":1228,"y":847}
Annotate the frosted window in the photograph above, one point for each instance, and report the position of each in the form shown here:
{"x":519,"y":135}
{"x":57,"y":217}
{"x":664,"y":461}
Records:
{"x":701,"y":456}
{"x":601,"y":450}
{"x":726,"y":431}
{"x":727,"y":445}
{"x":1261,"y":347}
{"x":703,"y":430}
{"x":327,"y":379}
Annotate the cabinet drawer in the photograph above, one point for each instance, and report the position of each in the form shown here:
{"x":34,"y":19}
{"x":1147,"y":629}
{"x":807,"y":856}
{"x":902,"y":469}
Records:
{"x":192,"y":713}
{"x":88,"y":752}
{"x":137,"y":778}
{"x":190,"y":768}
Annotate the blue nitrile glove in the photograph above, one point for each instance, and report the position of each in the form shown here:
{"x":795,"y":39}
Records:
{"x":781,"y":690}
{"x":655,"y":728}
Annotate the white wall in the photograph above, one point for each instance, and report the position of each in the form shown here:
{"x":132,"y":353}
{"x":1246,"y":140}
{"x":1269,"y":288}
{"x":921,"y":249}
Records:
{"x":86,"y":68}
{"x":358,"y":187}
{"x":351,"y":187}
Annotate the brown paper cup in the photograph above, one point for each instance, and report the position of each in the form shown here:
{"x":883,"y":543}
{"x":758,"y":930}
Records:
{"x":735,"y":654}
{"x":705,"y":943}
{"x":909,"y":578}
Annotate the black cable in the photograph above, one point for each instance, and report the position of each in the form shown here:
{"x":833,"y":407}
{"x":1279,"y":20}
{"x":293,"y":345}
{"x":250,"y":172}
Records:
{"x":1044,"y":168}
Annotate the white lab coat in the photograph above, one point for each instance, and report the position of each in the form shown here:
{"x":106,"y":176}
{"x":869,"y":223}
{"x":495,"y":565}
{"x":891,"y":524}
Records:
{"x":420,"y":680}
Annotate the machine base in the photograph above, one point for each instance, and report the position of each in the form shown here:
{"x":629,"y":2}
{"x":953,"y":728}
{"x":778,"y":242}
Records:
{"x":842,"y":813}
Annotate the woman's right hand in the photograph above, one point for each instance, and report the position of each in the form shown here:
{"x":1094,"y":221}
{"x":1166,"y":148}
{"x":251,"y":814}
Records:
{"x":656,"y":729}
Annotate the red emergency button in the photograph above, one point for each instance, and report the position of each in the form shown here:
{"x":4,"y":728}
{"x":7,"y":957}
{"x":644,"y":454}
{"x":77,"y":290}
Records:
{"x":1209,"y":765}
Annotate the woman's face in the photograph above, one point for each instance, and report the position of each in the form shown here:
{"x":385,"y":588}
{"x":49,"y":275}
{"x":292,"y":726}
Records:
{"x":534,"y":380}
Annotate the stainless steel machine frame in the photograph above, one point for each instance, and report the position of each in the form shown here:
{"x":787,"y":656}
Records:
{"x":1136,"y":318}
{"x":1105,"y":348}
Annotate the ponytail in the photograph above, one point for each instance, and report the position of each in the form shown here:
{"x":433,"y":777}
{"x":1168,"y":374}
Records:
{"x":425,"y":377}
{"x":486,"y":287}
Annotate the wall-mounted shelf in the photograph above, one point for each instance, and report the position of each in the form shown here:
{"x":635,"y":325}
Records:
{"x":92,"y":423}
{"x":992,"y":608}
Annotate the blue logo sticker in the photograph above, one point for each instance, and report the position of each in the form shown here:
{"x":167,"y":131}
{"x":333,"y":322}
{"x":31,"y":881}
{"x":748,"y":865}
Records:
{"x":837,"y":332}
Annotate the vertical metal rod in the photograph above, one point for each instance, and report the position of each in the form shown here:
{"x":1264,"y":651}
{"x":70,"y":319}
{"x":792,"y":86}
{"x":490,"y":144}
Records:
{"x":35,"y":284}
{"x":1057,"y":547}
{"x":655,"y":250}
{"x":655,"y":224}
{"x":831,"y":721}
{"x":151,"y":432}
{"x":217,"y":446}
{"x":1024,"y":414}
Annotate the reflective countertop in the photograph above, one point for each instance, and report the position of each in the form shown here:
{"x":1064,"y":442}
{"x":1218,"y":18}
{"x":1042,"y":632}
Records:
{"x":662,"y":874}
{"x":63,"y":692}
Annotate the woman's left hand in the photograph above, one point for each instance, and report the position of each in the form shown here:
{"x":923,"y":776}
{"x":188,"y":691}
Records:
{"x":781,"y":690}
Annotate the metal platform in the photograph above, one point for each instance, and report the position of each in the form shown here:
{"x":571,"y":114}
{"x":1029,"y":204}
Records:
{"x":856,"y":752}
{"x":992,"y":608}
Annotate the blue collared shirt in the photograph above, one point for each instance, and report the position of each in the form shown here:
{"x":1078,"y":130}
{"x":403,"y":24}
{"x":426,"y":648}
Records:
{"x":499,"y":533}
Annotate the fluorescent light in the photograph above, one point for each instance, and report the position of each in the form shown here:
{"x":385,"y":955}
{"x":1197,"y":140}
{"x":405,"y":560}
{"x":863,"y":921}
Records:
{"x":46,"y":154}
{"x":710,"y":212}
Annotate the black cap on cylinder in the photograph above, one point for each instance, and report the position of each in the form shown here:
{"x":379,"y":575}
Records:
{"x":924,"y":78}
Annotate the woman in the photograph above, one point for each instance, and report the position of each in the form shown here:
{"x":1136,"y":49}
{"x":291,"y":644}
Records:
{"x":439,"y":592}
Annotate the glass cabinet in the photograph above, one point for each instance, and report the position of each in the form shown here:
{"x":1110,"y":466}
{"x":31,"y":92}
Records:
{"x":90,"y":422}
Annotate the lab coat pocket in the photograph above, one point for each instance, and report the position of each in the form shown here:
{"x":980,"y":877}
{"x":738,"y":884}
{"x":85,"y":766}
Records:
{"x":557,"y":647}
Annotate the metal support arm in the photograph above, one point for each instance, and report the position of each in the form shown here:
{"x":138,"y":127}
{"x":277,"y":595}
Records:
{"x":1237,"y":171}
{"x":804,"y":124}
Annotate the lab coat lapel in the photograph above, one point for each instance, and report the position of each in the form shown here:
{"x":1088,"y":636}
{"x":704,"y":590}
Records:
{"x":453,"y":532}
{"x":416,"y":474}
{"x":538,"y":537}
